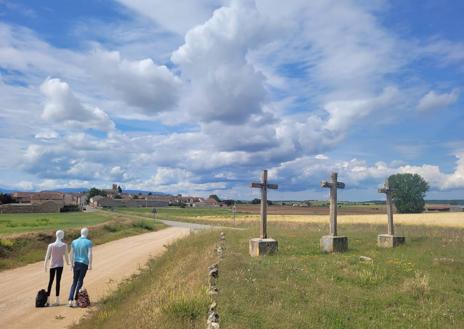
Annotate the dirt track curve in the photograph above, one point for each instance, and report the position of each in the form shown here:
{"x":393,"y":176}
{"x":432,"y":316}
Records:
{"x":113,"y":262}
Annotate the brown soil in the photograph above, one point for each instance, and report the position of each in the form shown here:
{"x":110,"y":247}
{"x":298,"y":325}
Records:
{"x":289,"y":210}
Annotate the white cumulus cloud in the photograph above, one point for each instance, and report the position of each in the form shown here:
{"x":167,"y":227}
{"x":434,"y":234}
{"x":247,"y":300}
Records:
{"x":62,"y":106}
{"x":224,"y":86}
{"x":142,"y":84}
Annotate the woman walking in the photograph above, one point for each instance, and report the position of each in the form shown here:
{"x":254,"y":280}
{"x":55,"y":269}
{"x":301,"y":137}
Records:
{"x":56,"y":252}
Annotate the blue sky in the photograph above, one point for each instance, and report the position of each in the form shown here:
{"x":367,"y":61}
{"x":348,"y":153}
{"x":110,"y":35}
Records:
{"x":197,"y":97}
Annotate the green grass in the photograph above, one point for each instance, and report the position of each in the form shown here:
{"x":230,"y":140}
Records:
{"x":418,"y":285}
{"x":172,"y":213}
{"x":27,"y":242}
{"x":20,"y":223}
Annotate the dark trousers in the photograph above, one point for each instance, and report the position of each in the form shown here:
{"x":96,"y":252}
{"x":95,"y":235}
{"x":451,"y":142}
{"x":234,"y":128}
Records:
{"x":55,"y":271}
{"x":80,"y":269}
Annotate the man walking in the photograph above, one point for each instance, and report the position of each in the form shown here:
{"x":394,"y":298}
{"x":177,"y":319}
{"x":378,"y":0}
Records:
{"x":81,"y":261}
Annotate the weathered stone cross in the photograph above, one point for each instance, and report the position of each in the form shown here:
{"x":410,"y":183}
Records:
{"x":388,"y":192}
{"x":333,"y":185}
{"x":264,"y":186}
{"x":389,"y":240}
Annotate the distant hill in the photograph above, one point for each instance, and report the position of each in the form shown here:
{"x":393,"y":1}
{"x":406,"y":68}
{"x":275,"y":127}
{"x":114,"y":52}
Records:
{"x":451,"y":202}
{"x":144,"y":192}
{"x":82,"y":189}
{"x":70,"y":190}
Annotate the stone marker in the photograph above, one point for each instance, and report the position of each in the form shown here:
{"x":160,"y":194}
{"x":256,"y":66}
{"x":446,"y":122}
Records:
{"x":333,"y":242}
{"x":263,"y":245}
{"x":389,"y":240}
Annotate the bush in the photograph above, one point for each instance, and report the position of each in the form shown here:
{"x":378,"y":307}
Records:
{"x":143,"y":225}
{"x":69,"y":208}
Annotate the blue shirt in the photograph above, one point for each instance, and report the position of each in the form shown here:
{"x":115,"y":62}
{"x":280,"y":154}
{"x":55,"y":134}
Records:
{"x":81,"y":248}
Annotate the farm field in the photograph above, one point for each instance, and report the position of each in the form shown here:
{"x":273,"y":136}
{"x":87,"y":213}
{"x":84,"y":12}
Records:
{"x":224,"y":216}
{"x":289,"y":210}
{"x":247,"y":209}
{"x":20,"y":223}
{"x":24,"y":237}
{"x":416,"y":285}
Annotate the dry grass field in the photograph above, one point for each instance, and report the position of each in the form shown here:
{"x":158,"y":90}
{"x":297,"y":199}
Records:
{"x":451,"y":219}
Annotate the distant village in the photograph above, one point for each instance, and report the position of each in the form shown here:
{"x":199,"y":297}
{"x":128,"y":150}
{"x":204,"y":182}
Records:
{"x":54,"y":202}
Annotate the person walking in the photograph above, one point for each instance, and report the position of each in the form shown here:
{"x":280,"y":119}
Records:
{"x":56,"y":252}
{"x":81,"y":261}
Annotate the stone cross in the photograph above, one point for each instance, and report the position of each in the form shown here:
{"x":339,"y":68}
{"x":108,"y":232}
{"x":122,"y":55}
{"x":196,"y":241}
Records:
{"x":264,"y":186}
{"x":333,"y":185}
{"x":388,"y":192}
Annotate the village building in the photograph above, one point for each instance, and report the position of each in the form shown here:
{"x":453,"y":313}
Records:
{"x":22,"y":197}
{"x":106,"y":202}
{"x":41,"y":202}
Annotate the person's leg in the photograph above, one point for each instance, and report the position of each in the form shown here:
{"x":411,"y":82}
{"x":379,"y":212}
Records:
{"x":80,"y":281}
{"x":50,"y":281}
{"x":74,"y":283}
{"x":59,"y":272}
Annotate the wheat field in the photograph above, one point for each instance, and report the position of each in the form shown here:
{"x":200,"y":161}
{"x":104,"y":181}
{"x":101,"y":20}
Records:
{"x":450,"y":219}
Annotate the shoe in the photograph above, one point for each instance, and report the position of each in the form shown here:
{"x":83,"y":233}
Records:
{"x":48,"y":302}
{"x":70,"y":303}
{"x":57,"y":302}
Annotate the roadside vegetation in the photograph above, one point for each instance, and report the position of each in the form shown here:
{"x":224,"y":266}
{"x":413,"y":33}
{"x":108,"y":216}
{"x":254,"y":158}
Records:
{"x":24,"y":237}
{"x":416,"y":285}
{"x":169,"y":293}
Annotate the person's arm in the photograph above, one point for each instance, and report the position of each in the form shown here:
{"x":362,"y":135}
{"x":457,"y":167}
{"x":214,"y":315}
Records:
{"x":71,"y":257}
{"x":90,"y":258}
{"x":47,"y":257}
{"x":66,"y":256}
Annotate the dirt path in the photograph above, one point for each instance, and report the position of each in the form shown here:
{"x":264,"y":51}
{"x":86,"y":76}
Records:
{"x":113,"y":262}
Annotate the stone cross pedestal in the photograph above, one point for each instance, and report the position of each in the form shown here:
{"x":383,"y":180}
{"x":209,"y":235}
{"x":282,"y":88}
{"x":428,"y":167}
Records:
{"x":389,"y":240}
{"x":263,"y":245}
{"x":333,"y":242}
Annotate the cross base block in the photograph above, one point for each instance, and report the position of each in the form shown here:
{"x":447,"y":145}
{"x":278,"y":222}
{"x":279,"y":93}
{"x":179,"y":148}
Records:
{"x":389,"y":241}
{"x":262,"y":247}
{"x":330,"y":243}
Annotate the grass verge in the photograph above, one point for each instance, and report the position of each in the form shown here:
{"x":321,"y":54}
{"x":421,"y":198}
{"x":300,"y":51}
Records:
{"x":26,"y":248}
{"x":170,"y":293}
{"x":417,"y":285}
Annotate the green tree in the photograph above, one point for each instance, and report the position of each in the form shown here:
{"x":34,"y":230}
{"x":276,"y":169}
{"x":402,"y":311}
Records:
{"x":94,"y":192}
{"x":6,"y":198}
{"x":215,"y":197}
{"x":409,"y":192}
